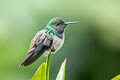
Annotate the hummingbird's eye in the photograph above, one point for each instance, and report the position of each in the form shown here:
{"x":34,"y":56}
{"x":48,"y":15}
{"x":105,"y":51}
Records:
{"x":57,"y":24}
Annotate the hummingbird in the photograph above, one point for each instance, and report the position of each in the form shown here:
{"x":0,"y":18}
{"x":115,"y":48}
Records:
{"x":48,"y":40}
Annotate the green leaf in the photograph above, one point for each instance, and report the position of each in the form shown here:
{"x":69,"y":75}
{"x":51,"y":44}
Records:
{"x":61,"y":73}
{"x":116,"y":78}
{"x":40,"y":74}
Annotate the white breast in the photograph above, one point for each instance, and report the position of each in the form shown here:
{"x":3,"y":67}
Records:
{"x":57,"y":43}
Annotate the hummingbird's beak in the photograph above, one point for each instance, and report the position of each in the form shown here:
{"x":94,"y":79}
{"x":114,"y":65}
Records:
{"x":74,"y":22}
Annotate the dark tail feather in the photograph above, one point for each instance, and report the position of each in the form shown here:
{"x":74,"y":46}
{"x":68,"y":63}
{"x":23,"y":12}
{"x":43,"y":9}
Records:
{"x":26,"y":62}
{"x":34,"y":55}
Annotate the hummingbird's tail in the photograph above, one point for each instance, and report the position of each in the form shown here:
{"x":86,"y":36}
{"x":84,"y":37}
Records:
{"x":27,"y":60}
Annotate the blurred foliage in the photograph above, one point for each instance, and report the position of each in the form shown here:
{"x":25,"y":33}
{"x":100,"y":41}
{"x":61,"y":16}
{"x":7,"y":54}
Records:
{"x":93,"y":43}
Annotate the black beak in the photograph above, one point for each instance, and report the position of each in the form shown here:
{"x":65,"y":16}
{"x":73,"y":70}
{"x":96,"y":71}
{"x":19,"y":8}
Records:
{"x":74,"y":22}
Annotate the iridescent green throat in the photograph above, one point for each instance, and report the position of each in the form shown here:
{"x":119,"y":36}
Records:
{"x":51,"y":30}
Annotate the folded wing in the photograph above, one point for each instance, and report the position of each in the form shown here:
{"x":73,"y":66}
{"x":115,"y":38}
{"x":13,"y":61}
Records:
{"x":38,"y":45}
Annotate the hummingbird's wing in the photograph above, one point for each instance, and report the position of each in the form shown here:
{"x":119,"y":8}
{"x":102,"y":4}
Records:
{"x":38,"y":45}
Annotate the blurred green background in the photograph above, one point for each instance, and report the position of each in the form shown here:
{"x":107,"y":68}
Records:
{"x":92,"y":47}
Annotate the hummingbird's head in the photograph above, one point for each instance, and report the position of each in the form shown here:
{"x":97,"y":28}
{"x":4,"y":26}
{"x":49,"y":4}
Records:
{"x":59,"y":24}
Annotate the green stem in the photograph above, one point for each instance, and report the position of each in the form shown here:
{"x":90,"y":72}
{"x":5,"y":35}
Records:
{"x":48,"y":66}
